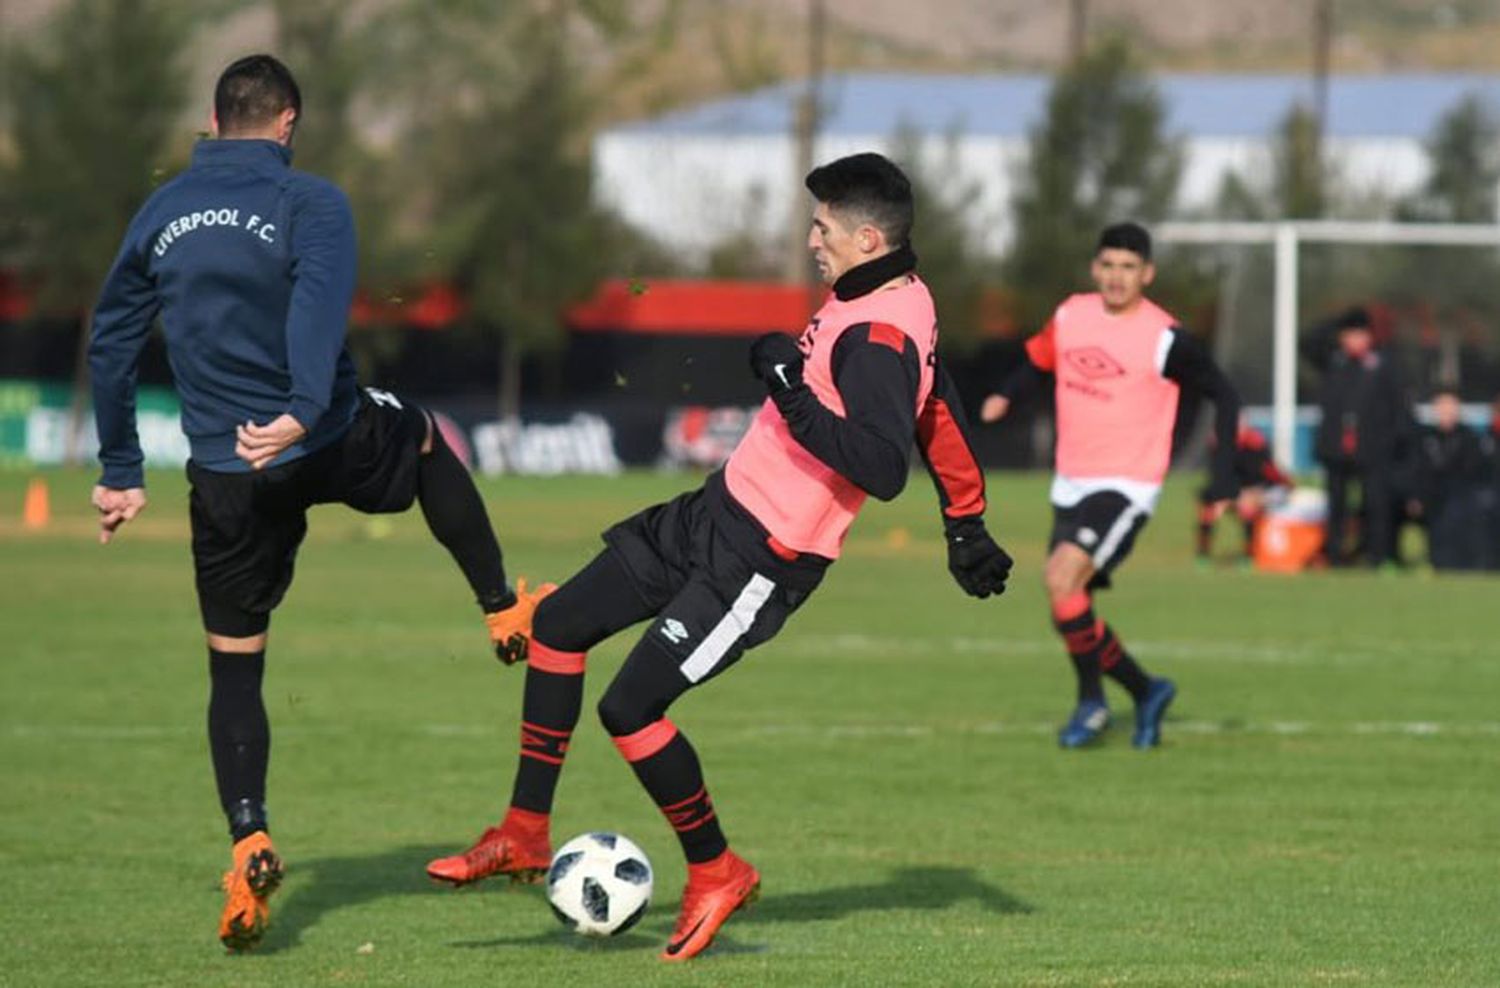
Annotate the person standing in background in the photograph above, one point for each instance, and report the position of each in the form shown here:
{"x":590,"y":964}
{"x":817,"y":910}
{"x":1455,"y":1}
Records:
{"x":1365,"y":421}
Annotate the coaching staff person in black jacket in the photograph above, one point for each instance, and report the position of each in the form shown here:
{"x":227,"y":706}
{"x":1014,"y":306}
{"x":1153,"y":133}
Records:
{"x":251,"y":267}
{"x":1365,"y":421}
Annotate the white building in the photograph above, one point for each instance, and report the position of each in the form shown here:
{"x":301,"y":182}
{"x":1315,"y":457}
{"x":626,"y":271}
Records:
{"x":728,"y":165}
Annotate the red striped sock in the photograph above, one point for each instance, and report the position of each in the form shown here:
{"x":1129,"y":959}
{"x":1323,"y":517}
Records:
{"x":668,"y":767}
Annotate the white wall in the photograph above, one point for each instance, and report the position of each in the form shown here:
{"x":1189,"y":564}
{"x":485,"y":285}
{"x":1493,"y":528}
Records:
{"x":693,"y":191}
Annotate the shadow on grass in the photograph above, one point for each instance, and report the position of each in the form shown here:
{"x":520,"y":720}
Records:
{"x":562,"y":939}
{"x":925,"y":888}
{"x":928,"y":888}
{"x":325,"y":885}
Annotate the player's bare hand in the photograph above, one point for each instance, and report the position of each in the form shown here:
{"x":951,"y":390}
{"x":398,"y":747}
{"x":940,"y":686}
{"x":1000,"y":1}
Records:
{"x":258,"y":445}
{"x":116,"y":507}
{"x":994,"y":408}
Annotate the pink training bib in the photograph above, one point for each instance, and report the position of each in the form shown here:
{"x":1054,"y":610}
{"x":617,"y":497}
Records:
{"x":802,"y":502}
{"x":1115,"y":410}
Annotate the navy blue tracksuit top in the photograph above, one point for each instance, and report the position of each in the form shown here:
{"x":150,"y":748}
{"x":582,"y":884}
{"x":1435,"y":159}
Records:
{"x":251,"y":266}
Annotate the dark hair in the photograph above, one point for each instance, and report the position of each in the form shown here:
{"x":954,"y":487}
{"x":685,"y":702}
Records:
{"x":1354,"y":317}
{"x":867,"y":188}
{"x":1126,"y":236}
{"x":252,"y":92}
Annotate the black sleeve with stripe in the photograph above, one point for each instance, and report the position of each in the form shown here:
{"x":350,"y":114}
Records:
{"x":943,"y":441}
{"x":870,"y":445}
{"x":1189,"y":364}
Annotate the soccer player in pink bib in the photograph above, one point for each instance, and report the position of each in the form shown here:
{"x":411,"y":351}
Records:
{"x":1119,"y":361}
{"x":720,"y":569}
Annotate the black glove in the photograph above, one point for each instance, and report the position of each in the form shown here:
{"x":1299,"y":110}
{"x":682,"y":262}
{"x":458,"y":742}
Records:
{"x":978,"y":565}
{"x":775,"y":359}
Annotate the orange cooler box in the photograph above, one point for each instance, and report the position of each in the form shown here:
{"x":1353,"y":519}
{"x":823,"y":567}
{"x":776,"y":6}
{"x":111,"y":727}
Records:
{"x":1290,"y":536}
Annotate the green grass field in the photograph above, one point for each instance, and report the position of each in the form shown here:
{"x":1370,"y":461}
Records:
{"x":1325,"y":809}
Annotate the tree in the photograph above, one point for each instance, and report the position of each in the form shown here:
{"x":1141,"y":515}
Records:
{"x":948,"y":258}
{"x":499,"y":182}
{"x":1300,"y":177}
{"x":1453,"y":287}
{"x":1464,"y":157}
{"x":1100,"y":155}
{"x":98,"y":98}
{"x":316,"y":39}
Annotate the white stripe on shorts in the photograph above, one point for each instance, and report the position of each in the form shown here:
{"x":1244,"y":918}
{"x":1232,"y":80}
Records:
{"x":729,"y":629}
{"x":1117,"y":532}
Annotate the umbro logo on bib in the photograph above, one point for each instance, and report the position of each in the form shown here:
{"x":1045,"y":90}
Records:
{"x":1093,"y":362}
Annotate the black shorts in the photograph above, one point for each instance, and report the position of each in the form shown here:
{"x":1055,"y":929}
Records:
{"x":1104,"y":525}
{"x":716,"y":581}
{"x":1206,"y":491}
{"x":247,"y":526}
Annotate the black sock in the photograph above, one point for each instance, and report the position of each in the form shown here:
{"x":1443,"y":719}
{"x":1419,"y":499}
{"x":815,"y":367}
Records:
{"x":1080,"y":635}
{"x":1205,"y":533}
{"x":595,"y":603}
{"x":1249,"y":538}
{"x":1119,"y":666}
{"x":674,"y":778}
{"x":549,"y":713}
{"x":455,"y":514}
{"x":239,"y":738}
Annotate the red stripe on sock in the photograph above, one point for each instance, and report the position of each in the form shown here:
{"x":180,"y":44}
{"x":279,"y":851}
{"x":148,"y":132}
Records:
{"x":545,"y":744}
{"x":546,"y":659}
{"x":695,"y":824}
{"x":685,"y":815}
{"x":1070,"y":607}
{"x":1079,"y":642}
{"x":647,"y":741}
{"x":686,"y":802}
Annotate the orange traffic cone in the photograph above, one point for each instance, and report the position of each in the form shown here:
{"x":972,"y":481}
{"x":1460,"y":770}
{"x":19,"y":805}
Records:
{"x":37,"y":510}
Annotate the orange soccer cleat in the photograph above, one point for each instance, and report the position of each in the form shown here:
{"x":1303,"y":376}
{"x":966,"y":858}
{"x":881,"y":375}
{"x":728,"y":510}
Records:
{"x":519,"y":847}
{"x":510,"y":629}
{"x":256,"y":873}
{"x":714,"y":891}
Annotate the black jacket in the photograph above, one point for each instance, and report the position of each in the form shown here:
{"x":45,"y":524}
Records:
{"x":251,"y":265}
{"x":1448,"y":464}
{"x":1366,"y":419}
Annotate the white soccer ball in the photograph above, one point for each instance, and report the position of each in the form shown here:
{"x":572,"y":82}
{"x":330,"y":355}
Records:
{"x":599,"y":884}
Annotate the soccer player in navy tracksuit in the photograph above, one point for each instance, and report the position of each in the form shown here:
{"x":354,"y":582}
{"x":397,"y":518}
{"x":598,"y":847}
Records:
{"x":251,"y":267}
{"x":720,"y":569}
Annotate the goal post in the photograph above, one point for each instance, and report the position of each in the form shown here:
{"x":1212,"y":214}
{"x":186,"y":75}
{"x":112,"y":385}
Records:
{"x":1285,"y":238}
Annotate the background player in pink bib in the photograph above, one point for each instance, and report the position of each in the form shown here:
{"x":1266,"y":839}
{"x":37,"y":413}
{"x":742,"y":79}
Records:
{"x":720,"y":569}
{"x":1118,"y":360}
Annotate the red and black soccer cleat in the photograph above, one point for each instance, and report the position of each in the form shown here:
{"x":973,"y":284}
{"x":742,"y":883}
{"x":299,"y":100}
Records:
{"x":519,"y":847}
{"x":715,"y":890}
